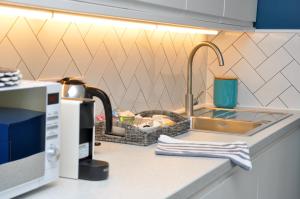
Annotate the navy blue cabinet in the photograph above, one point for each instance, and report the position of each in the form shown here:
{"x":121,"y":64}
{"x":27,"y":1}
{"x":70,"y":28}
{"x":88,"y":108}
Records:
{"x":278,"y":14}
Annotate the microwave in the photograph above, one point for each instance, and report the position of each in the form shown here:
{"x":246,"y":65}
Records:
{"x":29,"y":136}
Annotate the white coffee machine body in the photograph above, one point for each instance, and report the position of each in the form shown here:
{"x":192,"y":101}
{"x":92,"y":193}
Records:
{"x":77,"y":141}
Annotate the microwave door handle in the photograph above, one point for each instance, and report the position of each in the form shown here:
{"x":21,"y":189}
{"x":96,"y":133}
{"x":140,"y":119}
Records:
{"x":95,"y":92}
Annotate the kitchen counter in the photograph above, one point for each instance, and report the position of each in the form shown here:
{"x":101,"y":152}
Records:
{"x":136,"y":172}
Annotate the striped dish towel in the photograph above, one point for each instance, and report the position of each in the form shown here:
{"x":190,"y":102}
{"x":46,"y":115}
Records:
{"x":237,"y":152}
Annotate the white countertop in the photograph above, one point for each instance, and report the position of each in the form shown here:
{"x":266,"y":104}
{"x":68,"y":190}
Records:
{"x":136,"y":172}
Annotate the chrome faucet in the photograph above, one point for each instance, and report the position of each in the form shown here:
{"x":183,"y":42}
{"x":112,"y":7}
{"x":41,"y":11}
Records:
{"x":189,"y":94}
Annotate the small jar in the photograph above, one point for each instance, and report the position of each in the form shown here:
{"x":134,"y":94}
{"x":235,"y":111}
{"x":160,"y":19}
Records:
{"x":225,"y":92}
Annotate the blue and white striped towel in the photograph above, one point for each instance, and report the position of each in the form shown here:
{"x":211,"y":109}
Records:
{"x":237,"y":152}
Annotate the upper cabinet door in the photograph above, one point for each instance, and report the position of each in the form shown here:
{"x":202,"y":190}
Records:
{"x":209,"y":7}
{"x":243,"y":10}
{"x":278,"y":14}
{"x":179,"y":4}
{"x":199,"y":13}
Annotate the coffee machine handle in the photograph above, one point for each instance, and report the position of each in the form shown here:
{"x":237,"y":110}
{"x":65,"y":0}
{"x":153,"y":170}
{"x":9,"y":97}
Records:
{"x":95,"y":92}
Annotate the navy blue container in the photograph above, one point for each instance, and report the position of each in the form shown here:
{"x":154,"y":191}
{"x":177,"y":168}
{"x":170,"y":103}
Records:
{"x":22,"y":133}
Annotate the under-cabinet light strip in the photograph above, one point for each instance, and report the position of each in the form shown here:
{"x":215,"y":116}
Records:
{"x":68,"y":17}
{"x":25,"y":12}
{"x":102,"y":21}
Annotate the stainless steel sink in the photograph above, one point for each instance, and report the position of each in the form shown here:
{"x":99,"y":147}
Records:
{"x":222,"y":125}
{"x":233,"y":121}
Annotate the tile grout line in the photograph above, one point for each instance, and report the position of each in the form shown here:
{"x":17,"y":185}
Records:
{"x":135,"y":99}
{"x":10,"y":28}
{"x":165,"y":89}
{"x":21,"y":58}
{"x":263,"y":52}
{"x":268,"y":57}
{"x":232,"y":44}
{"x":35,"y":36}
{"x":282,"y":45}
{"x":267,"y":81}
{"x":92,"y":57}
{"x":45,"y":21}
{"x":257,"y":90}
{"x":83,"y":39}
{"x":15,"y":50}
{"x":69,"y":66}
{"x":142,"y":59}
{"x":140,"y":91}
{"x":253,"y":94}
{"x":148,"y":42}
{"x":169,"y":65}
{"x":122,"y":47}
{"x":82,"y":75}
{"x":110,"y":93}
{"x":51,"y":56}
{"x":287,"y":78}
{"x":140,"y":87}
{"x":172,"y":44}
{"x":11,"y":43}
{"x":256,"y":43}
{"x":89,"y":28}
{"x":53,"y":51}
{"x":257,"y":74}
{"x":246,"y":58}
{"x":111,"y":59}
{"x":278,"y":96}
{"x":287,"y":51}
{"x":273,"y":100}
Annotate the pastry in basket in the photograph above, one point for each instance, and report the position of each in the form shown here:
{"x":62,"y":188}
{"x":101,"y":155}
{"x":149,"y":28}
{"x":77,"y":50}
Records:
{"x":126,"y":117}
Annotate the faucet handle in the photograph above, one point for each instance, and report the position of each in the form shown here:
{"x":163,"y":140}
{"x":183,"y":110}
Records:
{"x":196,"y":100}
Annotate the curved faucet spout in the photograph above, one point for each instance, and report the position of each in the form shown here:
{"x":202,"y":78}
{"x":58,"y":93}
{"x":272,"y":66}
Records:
{"x":189,"y":94}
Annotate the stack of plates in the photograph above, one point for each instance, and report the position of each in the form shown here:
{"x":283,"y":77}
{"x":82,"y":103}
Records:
{"x":9,"y":77}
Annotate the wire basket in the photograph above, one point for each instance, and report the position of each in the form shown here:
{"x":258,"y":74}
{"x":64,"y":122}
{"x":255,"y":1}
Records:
{"x":134,"y":136}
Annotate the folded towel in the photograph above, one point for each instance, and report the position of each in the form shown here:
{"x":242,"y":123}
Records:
{"x":237,"y":152}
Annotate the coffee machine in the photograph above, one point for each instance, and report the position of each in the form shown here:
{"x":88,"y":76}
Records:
{"x":78,"y":131}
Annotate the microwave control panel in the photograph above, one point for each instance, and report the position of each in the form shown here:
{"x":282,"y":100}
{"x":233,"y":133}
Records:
{"x":52,"y":123}
{"x":52,"y":131}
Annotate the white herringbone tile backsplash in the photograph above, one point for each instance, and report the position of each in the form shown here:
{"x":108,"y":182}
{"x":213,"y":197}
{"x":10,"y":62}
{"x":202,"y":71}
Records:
{"x":267,"y":65}
{"x":139,"y":69}
{"x":146,"y":69}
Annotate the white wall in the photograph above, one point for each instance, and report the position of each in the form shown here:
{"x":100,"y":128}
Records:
{"x":147,"y":69}
{"x":267,"y":65}
{"x":138,"y":69}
